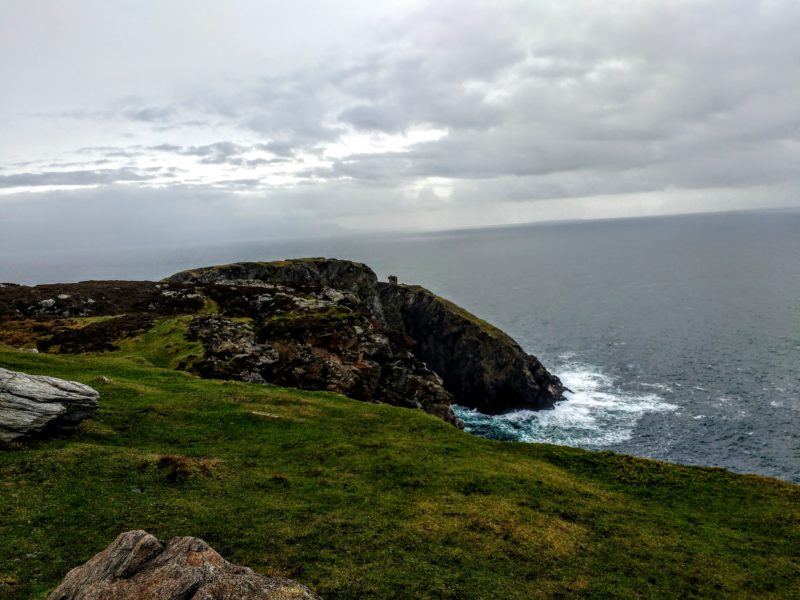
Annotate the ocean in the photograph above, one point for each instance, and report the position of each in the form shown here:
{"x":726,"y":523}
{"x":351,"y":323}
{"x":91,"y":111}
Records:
{"x":678,"y":336}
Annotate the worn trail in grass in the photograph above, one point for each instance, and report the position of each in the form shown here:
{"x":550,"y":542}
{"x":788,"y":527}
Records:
{"x":359,"y":500}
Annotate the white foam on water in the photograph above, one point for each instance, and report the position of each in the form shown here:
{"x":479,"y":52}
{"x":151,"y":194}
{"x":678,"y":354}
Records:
{"x":659,"y":386}
{"x":596,"y":414}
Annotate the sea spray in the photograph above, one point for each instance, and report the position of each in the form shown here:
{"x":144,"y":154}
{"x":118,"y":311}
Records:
{"x":597,"y":414}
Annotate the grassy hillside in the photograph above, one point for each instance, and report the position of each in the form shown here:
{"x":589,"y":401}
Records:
{"x":359,"y":500}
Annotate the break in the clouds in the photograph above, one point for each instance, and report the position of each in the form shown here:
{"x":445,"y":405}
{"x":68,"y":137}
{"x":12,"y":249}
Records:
{"x":252,"y":116}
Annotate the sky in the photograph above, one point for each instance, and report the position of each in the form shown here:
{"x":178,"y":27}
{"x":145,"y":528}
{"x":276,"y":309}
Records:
{"x":191,"y":121}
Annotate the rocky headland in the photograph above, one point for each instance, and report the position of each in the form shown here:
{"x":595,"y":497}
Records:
{"x":316,"y":324}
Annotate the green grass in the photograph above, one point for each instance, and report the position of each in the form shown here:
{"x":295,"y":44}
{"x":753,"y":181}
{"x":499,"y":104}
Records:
{"x":369,"y":501}
{"x":164,"y":346}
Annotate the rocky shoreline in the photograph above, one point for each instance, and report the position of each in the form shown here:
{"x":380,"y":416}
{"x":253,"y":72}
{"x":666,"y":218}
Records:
{"x":315,"y":324}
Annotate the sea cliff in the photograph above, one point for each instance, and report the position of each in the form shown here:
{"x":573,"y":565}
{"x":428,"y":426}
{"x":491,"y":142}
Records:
{"x":315,"y":324}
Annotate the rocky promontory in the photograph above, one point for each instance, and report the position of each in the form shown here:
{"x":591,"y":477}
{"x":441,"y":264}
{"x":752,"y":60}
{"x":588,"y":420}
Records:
{"x":317,"y":324}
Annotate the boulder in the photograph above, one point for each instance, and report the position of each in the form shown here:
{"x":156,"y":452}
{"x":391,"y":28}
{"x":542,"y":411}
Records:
{"x":33,"y":404}
{"x":137,"y":566}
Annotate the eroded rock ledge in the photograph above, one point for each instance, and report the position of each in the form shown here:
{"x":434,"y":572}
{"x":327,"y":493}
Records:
{"x":317,"y":324}
{"x":137,"y":566}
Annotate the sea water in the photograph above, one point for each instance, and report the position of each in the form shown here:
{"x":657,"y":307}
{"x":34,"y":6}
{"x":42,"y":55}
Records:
{"x":678,"y":336}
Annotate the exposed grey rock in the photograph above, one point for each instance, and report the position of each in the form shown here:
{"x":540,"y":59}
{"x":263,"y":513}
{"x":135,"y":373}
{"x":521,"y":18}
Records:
{"x":31,"y":404}
{"x":137,"y":566}
{"x":342,"y":275}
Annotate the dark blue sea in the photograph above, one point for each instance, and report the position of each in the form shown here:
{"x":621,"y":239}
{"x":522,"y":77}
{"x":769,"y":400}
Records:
{"x":679,"y":336}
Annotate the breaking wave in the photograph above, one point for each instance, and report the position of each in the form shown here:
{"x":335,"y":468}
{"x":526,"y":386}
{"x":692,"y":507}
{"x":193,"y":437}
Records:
{"x":598,"y":413}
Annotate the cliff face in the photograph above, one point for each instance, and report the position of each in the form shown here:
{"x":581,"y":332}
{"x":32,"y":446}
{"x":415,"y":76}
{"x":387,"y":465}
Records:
{"x":316,"y":324}
{"x":480,"y":365}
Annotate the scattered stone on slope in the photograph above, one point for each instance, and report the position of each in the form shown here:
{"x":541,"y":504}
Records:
{"x":137,"y":566}
{"x":33,"y":404}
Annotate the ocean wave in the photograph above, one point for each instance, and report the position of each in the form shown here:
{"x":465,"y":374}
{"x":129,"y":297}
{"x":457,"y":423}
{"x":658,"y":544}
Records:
{"x":598,"y":413}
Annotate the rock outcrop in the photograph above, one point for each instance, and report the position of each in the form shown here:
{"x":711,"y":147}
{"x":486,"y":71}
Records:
{"x":301,"y":273}
{"x":481,"y":366}
{"x":315,"y":323}
{"x":137,"y":566}
{"x":312,"y":337}
{"x":34,"y":404}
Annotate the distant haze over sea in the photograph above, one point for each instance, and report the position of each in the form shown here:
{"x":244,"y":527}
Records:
{"x":679,"y":336}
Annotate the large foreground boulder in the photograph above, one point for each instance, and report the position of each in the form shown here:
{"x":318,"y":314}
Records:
{"x":33,"y":404}
{"x":137,"y":566}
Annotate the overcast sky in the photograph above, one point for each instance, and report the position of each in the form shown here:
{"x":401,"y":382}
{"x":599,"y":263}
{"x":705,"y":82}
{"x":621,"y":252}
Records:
{"x":155,"y":121}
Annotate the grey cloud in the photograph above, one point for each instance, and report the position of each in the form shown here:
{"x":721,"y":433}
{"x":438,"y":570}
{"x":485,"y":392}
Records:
{"x":278,"y":148}
{"x":539,"y":101}
{"x":105,"y":176}
{"x":113,"y":151}
{"x":167,"y":148}
{"x":150,"y":114}
{"x":217,"y":153}
{"x":227,"y":153}
{"x":126,"y":108}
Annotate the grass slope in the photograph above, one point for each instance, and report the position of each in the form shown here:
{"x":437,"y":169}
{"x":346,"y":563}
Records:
{"x":359,"y":500}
